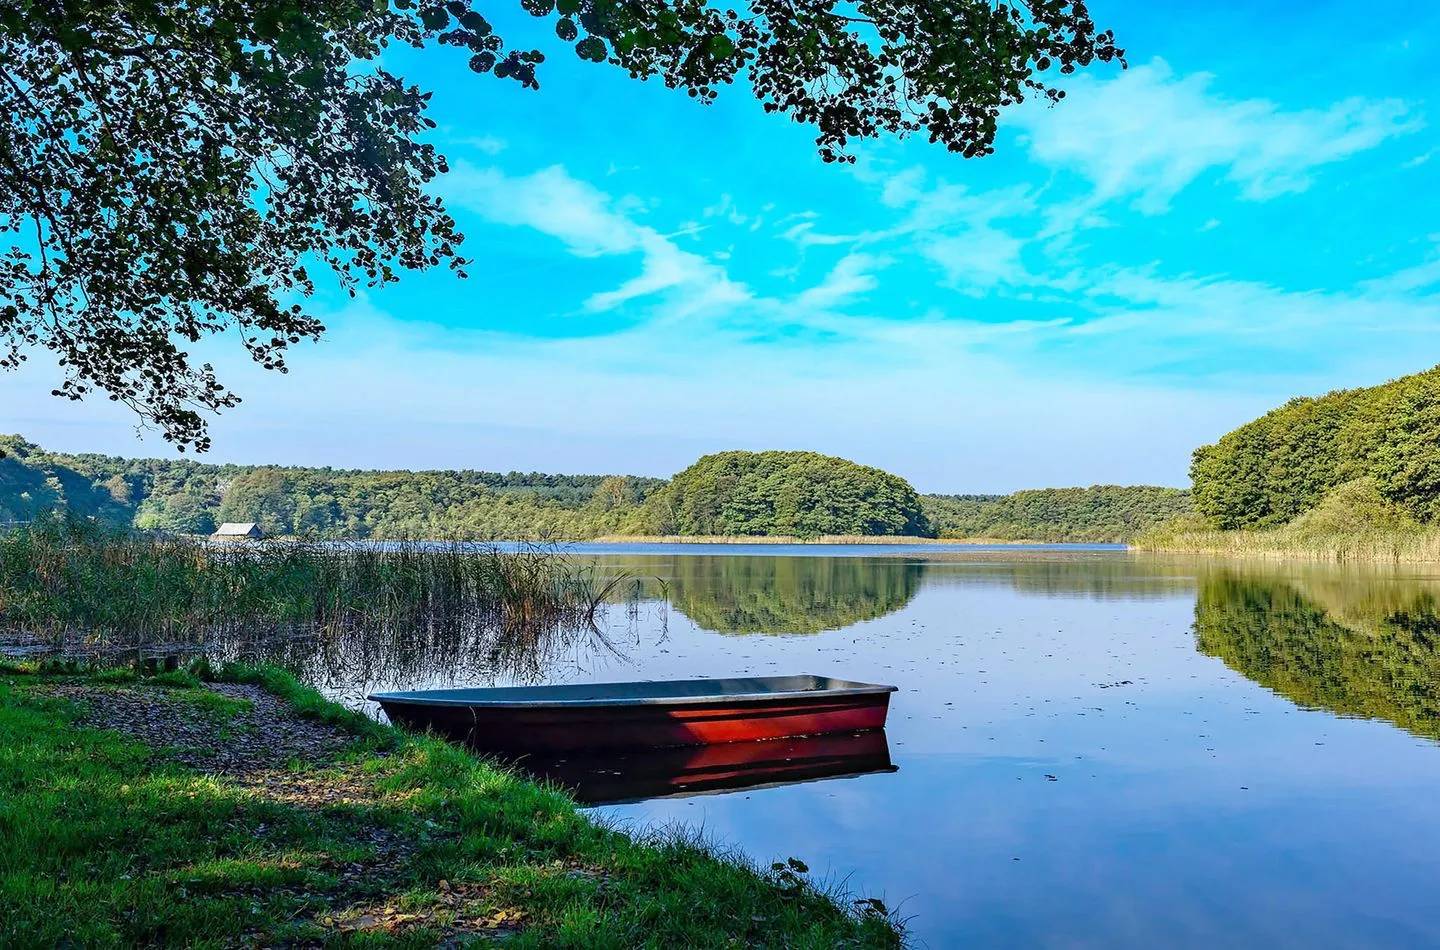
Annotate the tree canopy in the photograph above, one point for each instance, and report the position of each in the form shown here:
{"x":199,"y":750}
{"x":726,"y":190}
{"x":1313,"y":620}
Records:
{"x":796,"y":494}
{"x":172,"y":170}
{"x":184,"y":497}
{"x":1272,"y":470}
{"x":748,"y":493}
{"x":1100,"y":513}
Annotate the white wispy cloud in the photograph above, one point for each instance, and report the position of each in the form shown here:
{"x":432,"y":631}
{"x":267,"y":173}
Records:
{"x":955,"y":227}
{"x":804,"y":235}
{"x":944,"y":206}
{"x":848,"y":280}
{"x":1148,"y":133}
{"x":1145,"y":322}
{"x":1421,"y":159}
{"x":1104,"y":321}
{"x":1407,"y":280}
{"x":979,"y":258}
{"x":1128,"y":320}
{"x":591,"y":224}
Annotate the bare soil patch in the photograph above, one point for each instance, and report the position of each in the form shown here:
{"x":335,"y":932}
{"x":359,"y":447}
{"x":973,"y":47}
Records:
{"x":260,"y":745}
{"x":263,"y":737}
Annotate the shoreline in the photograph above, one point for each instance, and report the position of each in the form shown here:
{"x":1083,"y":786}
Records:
{"x":294,"y":820}
{"x":821,"y":540}
{"x":676,"y":539}
{"x":1282,"y":544}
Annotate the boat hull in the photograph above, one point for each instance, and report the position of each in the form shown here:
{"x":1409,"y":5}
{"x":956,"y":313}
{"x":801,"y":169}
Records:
{"x":641,"y":775}
{"x":649,"y":723}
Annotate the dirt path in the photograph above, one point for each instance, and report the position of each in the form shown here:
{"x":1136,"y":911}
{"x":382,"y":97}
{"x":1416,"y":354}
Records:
{"x":249,"y":739}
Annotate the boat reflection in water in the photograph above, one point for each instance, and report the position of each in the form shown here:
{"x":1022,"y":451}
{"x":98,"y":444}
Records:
{"x":698,"y":770}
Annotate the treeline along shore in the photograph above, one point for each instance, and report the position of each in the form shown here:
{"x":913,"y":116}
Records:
{"x":729,"y":495}
{"x":1351,"y":475}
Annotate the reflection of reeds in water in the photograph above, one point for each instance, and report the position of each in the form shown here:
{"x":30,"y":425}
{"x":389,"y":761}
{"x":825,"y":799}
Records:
{"x":88,"y":589}
{"x":348,"y":664}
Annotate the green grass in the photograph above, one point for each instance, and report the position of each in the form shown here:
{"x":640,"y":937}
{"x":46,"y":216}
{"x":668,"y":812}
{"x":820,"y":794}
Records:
{"x":104,"y":843}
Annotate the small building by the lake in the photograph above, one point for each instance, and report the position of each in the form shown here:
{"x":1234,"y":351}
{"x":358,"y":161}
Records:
{"x":238,"y":531}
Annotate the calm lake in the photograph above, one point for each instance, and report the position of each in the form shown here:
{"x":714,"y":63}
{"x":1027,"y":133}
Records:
{"x":1089,"y":748}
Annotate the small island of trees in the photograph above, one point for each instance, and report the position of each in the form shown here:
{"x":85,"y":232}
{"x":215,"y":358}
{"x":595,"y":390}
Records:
{"x":792,"y":494}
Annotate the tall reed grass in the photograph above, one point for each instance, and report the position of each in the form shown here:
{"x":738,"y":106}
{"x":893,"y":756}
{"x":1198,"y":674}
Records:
{"x":93,"y":587}
{"x":1394,"y":544}
{"x":789,"y":539}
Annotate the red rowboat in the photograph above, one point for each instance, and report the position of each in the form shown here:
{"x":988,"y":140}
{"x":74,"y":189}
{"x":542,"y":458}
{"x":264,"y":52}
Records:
{"x":609,"y":716}
{"x":700,"y":770}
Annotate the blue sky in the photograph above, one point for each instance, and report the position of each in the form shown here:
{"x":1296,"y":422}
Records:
{"x":1248,"y":213}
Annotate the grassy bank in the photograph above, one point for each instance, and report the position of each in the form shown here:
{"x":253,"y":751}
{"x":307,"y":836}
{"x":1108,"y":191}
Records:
{"x":174,"y":811}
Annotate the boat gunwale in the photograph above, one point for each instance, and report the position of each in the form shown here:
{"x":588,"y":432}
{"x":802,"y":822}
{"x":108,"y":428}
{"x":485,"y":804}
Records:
{"x":849,"y":688}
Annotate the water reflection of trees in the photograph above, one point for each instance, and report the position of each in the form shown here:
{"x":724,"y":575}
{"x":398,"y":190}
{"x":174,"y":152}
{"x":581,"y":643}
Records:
{"x":798,"y":594}
{"x":1356,"y":643}
{"x":743,"y":594}
{"x":1102,"y":576}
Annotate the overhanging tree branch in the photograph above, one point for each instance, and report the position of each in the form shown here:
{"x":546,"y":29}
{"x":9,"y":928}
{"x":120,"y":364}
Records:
{"x":135,"y":133}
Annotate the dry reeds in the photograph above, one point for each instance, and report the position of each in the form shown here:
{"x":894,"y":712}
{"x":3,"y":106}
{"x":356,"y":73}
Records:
{"x":1400,"y":543}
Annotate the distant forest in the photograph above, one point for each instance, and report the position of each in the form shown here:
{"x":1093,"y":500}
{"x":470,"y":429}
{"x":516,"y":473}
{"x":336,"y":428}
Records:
{"x":801,"y":494}
{"x":1100,"y":513}
{"x":187,"y":497}
{"x":1376,"y":448}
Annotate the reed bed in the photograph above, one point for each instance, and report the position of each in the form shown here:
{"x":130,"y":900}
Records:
{"x":93,"y":588}
{"x":1300,"y":541}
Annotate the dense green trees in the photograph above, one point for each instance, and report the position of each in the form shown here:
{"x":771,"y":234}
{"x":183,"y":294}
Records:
{"x":190,"y":498}
{"x":1271,"y":470}
{"x":744,"y":493}
{"x":33,"y":482}
{"x":799,"y":494}
{"x":1100,"y":513}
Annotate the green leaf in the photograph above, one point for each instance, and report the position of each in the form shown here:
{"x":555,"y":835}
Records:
{"x":475,"y":23}
{"x":434,"y":18}
{"x":592,"y":49}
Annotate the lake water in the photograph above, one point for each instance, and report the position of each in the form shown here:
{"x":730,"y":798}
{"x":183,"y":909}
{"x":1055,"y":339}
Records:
{"x":1089,"y":748}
